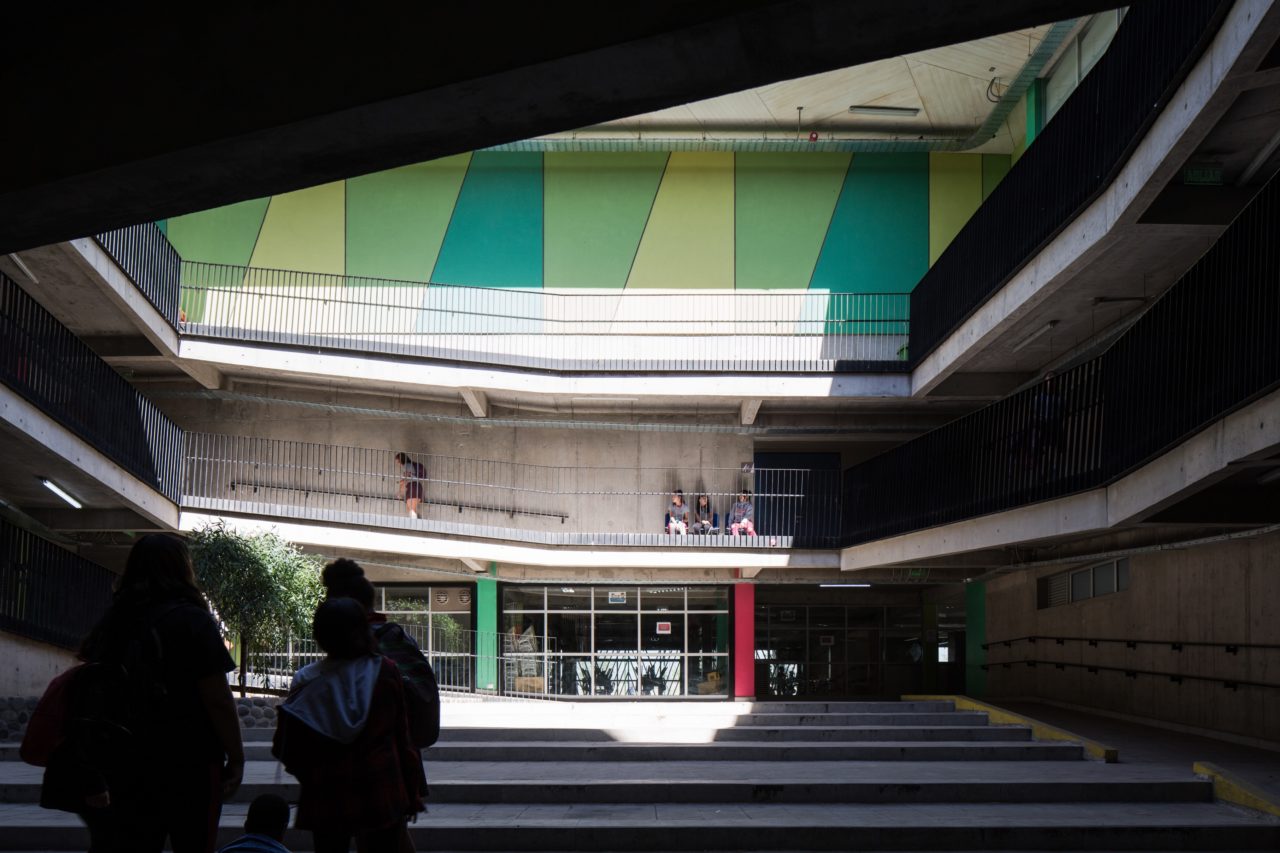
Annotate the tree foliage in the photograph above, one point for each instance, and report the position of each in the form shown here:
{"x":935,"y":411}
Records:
{"x":263,"y":587}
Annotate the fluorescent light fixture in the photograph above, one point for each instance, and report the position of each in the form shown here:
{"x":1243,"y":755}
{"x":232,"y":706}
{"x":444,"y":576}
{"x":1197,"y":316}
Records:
{"x":896,"y":112}
{"x":844,"y":585}
{"x":1047,"y":327}
{"x":60,"y":492}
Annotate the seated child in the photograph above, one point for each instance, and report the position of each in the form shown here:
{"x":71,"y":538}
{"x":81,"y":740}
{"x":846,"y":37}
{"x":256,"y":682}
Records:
{"x":704,"y":518}
{"x":678,"y":514}
{"x":264,"y":827}
{"x":742,"y":515}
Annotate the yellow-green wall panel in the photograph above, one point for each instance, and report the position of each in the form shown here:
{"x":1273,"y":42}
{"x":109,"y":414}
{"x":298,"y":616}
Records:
{"x":396,"y":219}
{"x":596,"y":206}
{"x":955,"y":191}
{"x":224,"y":235}
{"x":783,"y":205}
{"x":305,"y":231}
{"x":688,"y":242}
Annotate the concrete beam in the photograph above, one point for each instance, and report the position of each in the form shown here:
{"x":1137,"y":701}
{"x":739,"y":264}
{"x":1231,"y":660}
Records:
{"x":121,"y":346}
{"x":749,"y":574}
{"x":475,"y":565}
{"x":748,"y":411}
{"x":93,"y":520}
{"x":476,"y":401}
{"x":260,"y":128}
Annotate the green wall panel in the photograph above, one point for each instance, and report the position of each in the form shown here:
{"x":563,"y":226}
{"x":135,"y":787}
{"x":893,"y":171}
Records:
{"x":487,"y":651}
{"x":955,"y":191}
{"x":994,"y":168}
{"x":304,"y":231}
{"x":688,"y":242}
{"x":878,"y":241}
{"x":224,"y":235}
{"x":396,"y":219}
{"x":495,"y":236}
{"x":783,"y":205}
{"x":596,"y":208}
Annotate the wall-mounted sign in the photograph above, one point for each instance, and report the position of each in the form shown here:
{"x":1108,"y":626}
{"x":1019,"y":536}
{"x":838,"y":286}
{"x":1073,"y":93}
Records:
{"x":664,"y":627}
{"x":619,"y":597}
{"x":464,"y":596}
{"x":786,"y":616}
{"x":826,"y":640}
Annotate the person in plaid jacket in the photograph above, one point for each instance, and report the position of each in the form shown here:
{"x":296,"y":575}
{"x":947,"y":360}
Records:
{"x":344,"y":733}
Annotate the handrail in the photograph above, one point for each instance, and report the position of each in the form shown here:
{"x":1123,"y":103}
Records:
{"x":510,"y":510}
{"x":1060,"y":174}
{"x":1174,"y":645}
{"x":1095,"y":422}
{"x":150,"y":261}
{"x":1132,"y":672}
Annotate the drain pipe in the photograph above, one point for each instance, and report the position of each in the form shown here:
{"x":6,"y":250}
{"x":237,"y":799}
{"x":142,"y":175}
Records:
{"x":1040,"y":57}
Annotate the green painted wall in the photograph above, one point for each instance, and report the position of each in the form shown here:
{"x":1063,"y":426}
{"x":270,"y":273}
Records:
{"x":836,"y":222}
{"x":975,"y":656}
{"x":782,"y":207}
{"x":878,"y":239}
{"x":597,"y":207}
{"x":495,"y":236}
{"x":396,"y":220}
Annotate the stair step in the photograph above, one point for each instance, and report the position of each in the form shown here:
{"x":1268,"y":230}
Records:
{"x":765,"y":826}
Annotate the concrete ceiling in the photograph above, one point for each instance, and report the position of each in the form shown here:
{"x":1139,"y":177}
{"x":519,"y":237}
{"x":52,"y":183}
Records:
{"x":947,"y":85}
{"x":119,"y":114}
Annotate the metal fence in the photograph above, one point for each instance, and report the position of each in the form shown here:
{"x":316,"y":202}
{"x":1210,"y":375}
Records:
{"x":795,"y":330}
{"x":147,"y":257}
{"x":1072,"y":160}
{"x":540,"y":503}
{"x":45,"y":363}
{"x":46,"y":592}
{"x":1207,"y":347}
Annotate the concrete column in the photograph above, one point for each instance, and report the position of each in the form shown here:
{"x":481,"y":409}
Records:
{"x":929,"y":648}
{"x":975,"y":634}
{"x":487,"y":633}
{"x":744,"y":641}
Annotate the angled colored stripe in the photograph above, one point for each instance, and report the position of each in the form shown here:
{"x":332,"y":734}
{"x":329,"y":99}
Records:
{"x":224,"y":235}
{"x":396,"y":220}
{"x":878,"y":241}
{"x":596,"y":208}
{"x":495,"y":236}
{"x":304,"y":231}
{"x":783,"y":205}
{"x":688,"y":242}
{"x":955,"y":191}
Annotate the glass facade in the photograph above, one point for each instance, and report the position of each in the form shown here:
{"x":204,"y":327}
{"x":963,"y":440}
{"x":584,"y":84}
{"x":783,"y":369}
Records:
{"x":615,"y":640}
{"x":440,"y":619}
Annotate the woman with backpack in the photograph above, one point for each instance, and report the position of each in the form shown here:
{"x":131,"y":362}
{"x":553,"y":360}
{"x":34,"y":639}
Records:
{"x":343,"y":732}
{"x":153,"y":744}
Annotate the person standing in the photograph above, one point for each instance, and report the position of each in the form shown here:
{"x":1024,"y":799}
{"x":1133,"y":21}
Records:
{"x":156,"y":745}
{"x":343,"y":732}
{"x":412,"y":475}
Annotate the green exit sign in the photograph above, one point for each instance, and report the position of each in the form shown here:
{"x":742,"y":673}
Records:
{"x":1203,"y":175}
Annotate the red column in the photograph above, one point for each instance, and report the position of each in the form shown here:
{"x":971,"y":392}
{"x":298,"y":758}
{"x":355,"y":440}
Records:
{"x":744,"y":641}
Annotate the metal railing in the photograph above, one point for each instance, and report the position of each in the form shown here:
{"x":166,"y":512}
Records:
{"x":147,"y":257}
{"x":546,"y":504}
{"x":796,"y":330}
{"x":1134,"y":672}
{"x":1205,"y":348}
{"x":45,"y":363}
{"x":48,"y":593}
{"x":1072,"y":160}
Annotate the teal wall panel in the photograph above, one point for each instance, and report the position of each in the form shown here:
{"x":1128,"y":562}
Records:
{"x":878,"y":240}
{"x":495,"y":236}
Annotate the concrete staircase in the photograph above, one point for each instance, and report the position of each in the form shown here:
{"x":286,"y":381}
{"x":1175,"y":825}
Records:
{"x":735,"y":776}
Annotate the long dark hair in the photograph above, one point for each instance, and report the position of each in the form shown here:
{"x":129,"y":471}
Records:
{"x":341,"y":629}
{"x":344,"y":578}
{"x":159,"y":570}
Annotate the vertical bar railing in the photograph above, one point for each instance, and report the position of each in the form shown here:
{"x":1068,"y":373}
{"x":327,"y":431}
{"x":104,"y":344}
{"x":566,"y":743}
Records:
{"x":147,"y":257}
{"x":1207,"y":347}
{"x":46,"y":364}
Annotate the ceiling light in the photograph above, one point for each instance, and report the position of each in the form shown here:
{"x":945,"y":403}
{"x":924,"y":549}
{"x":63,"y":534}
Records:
{"x":844,"y":585}
{"x":1047,"y":327}
{"x":58,"y":490}
{"x":896,"y":112}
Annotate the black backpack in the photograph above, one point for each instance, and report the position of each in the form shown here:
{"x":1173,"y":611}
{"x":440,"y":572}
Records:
{"x":421,"y":692}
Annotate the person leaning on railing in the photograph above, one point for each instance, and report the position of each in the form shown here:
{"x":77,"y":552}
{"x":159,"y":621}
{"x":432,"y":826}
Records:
{"x":411,"y":476}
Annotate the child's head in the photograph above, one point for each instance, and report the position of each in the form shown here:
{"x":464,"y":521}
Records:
{"x":341,"y":629}
{"x":269,"y":816}
{"x":677,"y":497}
{"x":703,"y":502}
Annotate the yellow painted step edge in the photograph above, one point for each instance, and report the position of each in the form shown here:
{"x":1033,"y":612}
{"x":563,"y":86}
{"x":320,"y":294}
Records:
{"x":1039,"y":730}
{"x":1231,"y":789}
